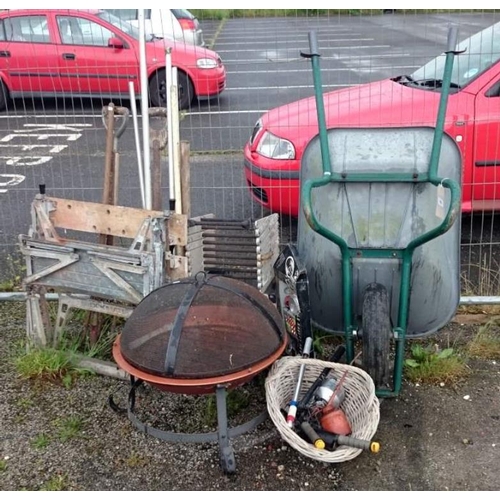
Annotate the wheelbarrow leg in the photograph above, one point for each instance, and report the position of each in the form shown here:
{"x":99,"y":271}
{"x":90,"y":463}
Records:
{"x":226,"y":450}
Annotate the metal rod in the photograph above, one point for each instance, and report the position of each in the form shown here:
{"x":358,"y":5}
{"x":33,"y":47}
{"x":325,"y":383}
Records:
{"x":22,"y":296}
{"x":144,"y":109}
{"x":177,"y":142}
{"x":464,"y":301}
{"x":133,"y":105}
{"x":168,"y":83}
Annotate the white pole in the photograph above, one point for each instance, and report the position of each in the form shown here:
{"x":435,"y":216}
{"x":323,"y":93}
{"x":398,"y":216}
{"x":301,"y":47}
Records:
{"x":176,"y":141}
{"x":144,"y":110}
{"x":171,"y":184}
{"x":133,"y":105}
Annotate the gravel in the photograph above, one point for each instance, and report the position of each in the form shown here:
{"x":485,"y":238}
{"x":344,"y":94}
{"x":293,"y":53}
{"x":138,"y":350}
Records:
{"x":431,"y":437}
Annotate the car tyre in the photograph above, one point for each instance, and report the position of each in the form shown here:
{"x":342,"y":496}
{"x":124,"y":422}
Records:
{"x":158,"y":85}
{"x":3,"y":96}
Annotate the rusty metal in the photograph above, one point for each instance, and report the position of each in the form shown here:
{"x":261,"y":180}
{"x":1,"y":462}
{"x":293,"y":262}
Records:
{"x":193,"y":386}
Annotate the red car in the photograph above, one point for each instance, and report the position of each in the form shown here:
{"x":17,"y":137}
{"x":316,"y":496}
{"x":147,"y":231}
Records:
{"x":274,"y":151}
{"x":77,"y":53}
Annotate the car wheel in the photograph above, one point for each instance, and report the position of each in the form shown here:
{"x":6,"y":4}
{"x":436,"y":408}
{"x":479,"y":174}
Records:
{"x":158,"y":85}
{"x":186,"y":92}
{"x":3,"y":96}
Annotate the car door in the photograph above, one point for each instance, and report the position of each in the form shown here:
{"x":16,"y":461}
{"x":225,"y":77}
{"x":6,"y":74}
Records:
{"x":90,"y":65}
{"x":28,"y":56}
{"x":486,"y":174}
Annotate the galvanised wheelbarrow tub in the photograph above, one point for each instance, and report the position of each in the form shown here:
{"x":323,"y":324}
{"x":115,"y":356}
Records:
{"x":382,"y":215}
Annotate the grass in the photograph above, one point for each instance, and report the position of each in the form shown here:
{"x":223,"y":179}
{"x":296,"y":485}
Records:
{"x":47,"y":363}
{"x":41,"y":441}
{"x":69,"y":427}
{"x":3,"y":465}
{"x":56,"y":483}
{"x":25,"y":403}
{"x":60,"y":364}
{"x":429,"y":364}
{"x":135,"y":460}
{"x":220,"y":14}
{"x":486,"y":343}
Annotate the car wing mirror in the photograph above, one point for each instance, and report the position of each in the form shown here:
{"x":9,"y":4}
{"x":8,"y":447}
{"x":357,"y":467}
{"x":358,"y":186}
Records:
{"x":115,"y":43}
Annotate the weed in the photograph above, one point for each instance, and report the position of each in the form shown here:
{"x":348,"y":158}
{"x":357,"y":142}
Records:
{"x":41,"y":441}
{"x":486,"y":344}
{"x":3,"y":465}
{"x":19,"y":419}
{"x":81,"y":344}
{"x":67,"y":380}
{"x":46,"y":362}
{"x":69,"y":427}
{"x":25,"y":403}
{"x":49,"y":364}
{"x":57,"y":483}
{"x":431,"y":365}
{"x":135,"y":460}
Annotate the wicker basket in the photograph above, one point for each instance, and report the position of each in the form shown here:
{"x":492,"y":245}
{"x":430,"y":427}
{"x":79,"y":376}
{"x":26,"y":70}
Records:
{"x":360,"y":406}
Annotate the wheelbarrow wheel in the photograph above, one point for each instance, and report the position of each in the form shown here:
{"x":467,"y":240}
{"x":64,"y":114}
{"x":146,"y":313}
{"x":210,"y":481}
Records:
{"x":376,"y":334}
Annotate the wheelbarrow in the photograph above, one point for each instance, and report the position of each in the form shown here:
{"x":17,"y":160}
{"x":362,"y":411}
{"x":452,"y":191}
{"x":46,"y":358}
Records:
{"x":379,"y":232}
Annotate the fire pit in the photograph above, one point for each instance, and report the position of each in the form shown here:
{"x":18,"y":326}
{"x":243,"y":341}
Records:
{"x":198,"y":336}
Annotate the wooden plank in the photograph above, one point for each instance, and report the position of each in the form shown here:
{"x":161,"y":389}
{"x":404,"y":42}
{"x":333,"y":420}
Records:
{"x":111,"y":220}
{"x":98,"y":217}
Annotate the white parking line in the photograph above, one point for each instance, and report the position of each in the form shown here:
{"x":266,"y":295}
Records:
{"x":265,"y":30}
{"x":324,"y":70}
{"x":256,"y":42}
{"x":350,"y":47}
{"x":291,"y":87}
{"x":337,"y":58}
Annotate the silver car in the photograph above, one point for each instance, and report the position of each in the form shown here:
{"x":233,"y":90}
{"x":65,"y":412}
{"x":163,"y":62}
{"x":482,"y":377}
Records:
{"x":175,"y":24}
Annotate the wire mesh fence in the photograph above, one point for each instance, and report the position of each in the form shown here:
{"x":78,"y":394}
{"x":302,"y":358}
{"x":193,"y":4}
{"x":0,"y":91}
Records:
{"x":247,"y":130}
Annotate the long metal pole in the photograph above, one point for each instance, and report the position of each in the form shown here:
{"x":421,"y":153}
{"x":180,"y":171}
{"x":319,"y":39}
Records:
{"x":171,"y":182}
{"x":464,"y":301}
{"x":144,"y":110}
{"x":133,"y":105}
{"x":174,"y":97}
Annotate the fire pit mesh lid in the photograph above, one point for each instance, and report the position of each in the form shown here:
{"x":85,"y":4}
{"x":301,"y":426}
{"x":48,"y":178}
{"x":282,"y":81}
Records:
{"x":201,"y":327}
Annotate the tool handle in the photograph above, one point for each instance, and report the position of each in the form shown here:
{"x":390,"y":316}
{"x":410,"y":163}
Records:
{"x":372,"y":446}
{"x":292,"y":410}
{"x":312,"y":435}
{"x":336,"y":356}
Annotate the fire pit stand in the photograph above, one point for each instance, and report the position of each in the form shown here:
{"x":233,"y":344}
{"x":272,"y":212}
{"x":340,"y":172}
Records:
{"x":223,"y":434}
{"x":199,"y":336}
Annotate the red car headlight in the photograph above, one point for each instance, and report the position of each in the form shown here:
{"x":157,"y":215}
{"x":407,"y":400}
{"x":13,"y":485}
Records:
{"x":206,"y":63}
{"x":272,"y":146}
